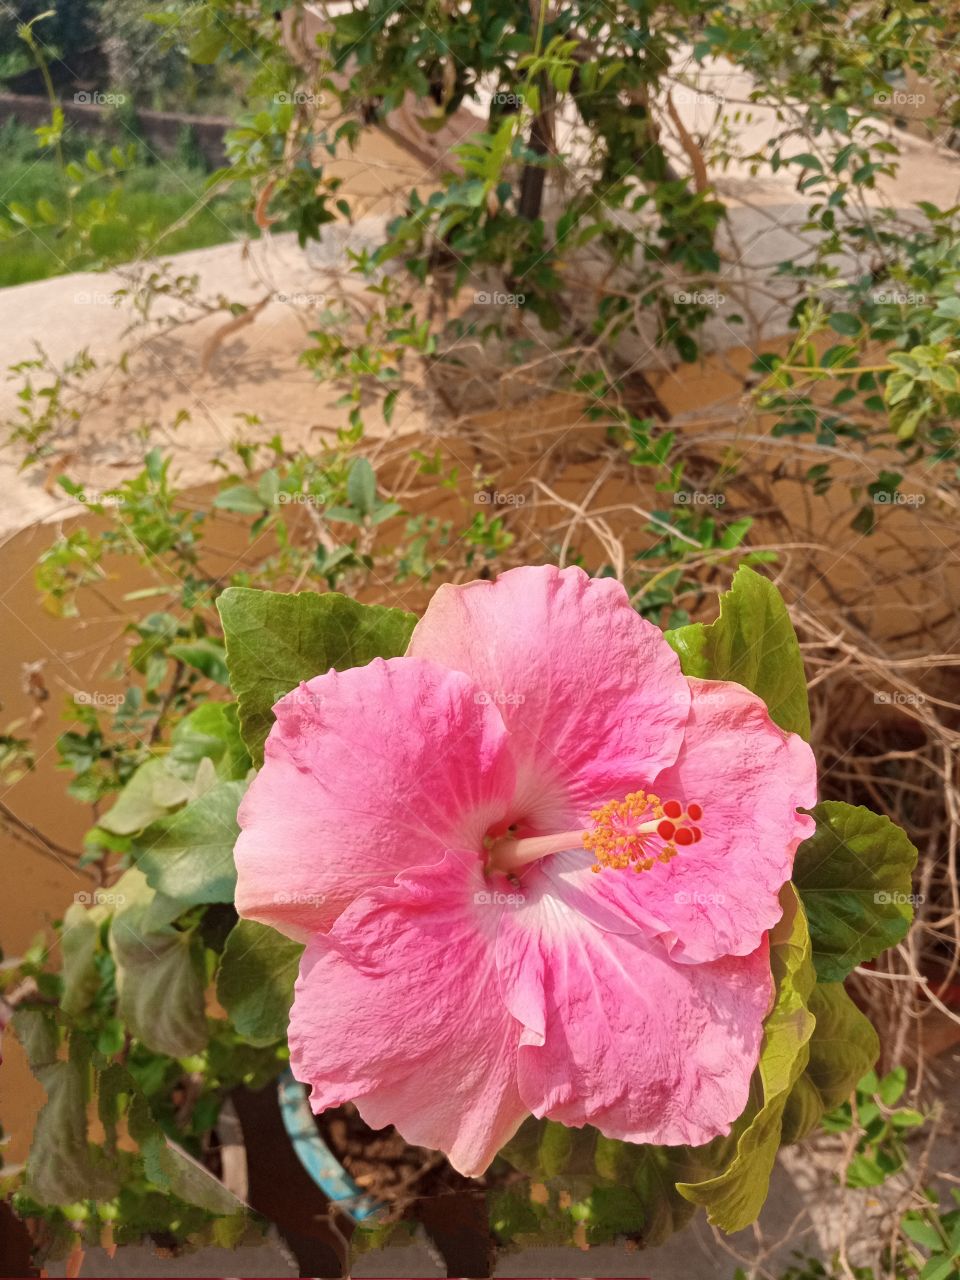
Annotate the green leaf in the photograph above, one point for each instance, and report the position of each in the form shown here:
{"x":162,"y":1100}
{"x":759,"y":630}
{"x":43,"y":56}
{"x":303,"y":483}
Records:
{"x":892,"y":1087}
{"x":865,"y":520}
{"x":169,"y":1167}
{"x":734,"y":1198}
{"x":160,"y":910}
{"x":210,"y":732}
{"x":942,"y":1267}
{"x":362,"y":486}
{"x":556,"y":1147}
{"x":63,"y":1165}
{"x":208,"y":42}
{"x":204,"y":655}
{"x":386,"y":511}
{"x":255,"y":981}
{"x":78,"y":943}
{"x":546,"y":1149}
{"x":921,"y":1232}
{"x":843,"y":1048}
{"x":274,"y":641}
{"x":853,"y":875}
{"x":844,"y":1045}
{"x":240,"y":499}
{"x":188,"y":856}
{"x":38,"y":1034}
{"x":611,"y":1187}
{"x":160,"y":985}
{"x":268,"y":488}
{"x":652,"y":1174}
{"x":845,"y":323}
{"x":513,"y":1217}
{"x":177,"y":1173}
{"x":151,"y":792}
{"x":867,"y":1171}
{"x":47,"y":212}
{"x":752,"y":642}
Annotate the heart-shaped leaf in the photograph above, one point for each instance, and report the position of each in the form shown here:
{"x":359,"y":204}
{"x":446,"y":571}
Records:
{"x":188,"y":855}
{"x":752,"y":642}
{"x":843,"y":1048}
{"x":734,"y":1197}
{"x":853,"y":875}
{"x":274,"y":641}
{"x":255,"y":981}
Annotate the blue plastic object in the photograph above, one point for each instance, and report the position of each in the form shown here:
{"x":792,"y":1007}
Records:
{"x":316,"y":1157}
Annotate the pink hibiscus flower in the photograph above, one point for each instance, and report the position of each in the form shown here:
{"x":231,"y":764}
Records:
{"x":534,"y":866}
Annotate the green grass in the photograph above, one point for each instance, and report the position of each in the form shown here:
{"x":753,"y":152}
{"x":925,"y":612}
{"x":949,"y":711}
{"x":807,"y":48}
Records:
{"x":145,"y":201}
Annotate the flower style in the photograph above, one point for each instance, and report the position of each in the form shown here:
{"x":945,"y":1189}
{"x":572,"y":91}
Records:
{"x":534,"y":866}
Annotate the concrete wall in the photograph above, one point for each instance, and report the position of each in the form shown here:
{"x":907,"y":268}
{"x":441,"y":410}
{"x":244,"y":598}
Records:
{"x":160,"y":129}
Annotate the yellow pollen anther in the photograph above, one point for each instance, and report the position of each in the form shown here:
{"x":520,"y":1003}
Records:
{"x":639,"y":831}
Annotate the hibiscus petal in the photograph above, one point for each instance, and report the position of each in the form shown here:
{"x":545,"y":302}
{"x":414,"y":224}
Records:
{"x":623,"y":1038}
{"x":367,"y":772}
{"x":717,"y":897}
{"x":591,"y":692}
{"x":398,"y":1009}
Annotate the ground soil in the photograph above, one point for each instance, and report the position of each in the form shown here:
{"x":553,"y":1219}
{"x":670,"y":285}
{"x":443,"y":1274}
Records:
{"x":389,"y":1169}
